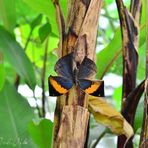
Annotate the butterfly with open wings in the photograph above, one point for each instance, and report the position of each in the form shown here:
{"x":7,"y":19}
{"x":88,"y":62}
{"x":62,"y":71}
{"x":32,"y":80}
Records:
{"x":78,"y":75}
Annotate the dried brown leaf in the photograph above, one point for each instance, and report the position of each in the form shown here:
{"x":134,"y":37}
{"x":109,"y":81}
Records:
{"x":105,"y":114}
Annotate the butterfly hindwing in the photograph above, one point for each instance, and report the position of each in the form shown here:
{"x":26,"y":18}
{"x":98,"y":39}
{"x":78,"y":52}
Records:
{"x":95,"y":88}
{"x":87,"y":69}
{"x":63,"y":66}
{"x":58,"y":85}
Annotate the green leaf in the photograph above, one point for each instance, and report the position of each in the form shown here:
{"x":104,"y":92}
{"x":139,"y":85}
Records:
{"x":117,"y":96}
{"x":17,"y":57}
{"x":143,"y":15}
{"x":142,"y":63}
{"x":36,"y":21}
{"x":139,"y":116}
{"x":63,"y":5}
{"x":41,"y":133}
{"x":112,"y":55}
{"x":15,"y":115}
{"x":8,"y":14}
{"x":44,"y":31}
{"x":142,"y":35}
{"x":106,"y":57}
{"x":23,"y":13}
{"x":2,"y":76}
{"x":46,"y":7}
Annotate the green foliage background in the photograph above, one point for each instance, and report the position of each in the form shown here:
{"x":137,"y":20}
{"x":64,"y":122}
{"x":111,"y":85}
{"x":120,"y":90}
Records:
{"x":26,"y":27}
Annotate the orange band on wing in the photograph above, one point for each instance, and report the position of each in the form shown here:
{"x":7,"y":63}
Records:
{"x":92,"y":88}
{"x":57,"y":86}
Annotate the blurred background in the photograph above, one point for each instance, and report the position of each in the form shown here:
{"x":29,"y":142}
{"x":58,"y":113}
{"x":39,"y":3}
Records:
{"x":28,"y":52}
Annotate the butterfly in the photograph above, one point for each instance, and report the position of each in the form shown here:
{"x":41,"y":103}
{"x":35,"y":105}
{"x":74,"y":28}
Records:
{"x":78,"y":75}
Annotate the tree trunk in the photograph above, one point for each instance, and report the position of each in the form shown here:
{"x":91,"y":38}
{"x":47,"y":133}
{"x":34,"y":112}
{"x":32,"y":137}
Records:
{"x":78,"y":33}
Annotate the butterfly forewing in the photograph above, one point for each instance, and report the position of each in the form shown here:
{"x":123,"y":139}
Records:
{"x":63,"y":66}
{"x":58,"y":85}
{"x":87,"y":69}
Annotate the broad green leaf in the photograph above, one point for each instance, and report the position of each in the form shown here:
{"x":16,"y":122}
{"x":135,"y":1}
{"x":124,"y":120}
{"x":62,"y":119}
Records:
{"x":36,"y":53}
{"x":2,"y":76}
{"x":17,"y":57}
{"x":15,"y":115}
{"x":52,"y":59}
{"x":63,"y":5}
{"x":106,"y":57}
{"x":46,"y":7}
{"x":41,"y":133}
{"x":139,"y":116}
{"x":44,"y":31}
{"x":23,"y":12}
{"x":142,"y":64}
{"x":8,"y":14}
{"x":36,"y":21}
{"x":108,"y":1}
{"x":105,"y":114}
{"x":143,"y":16}
{"x":112,"y":55}
{"x":142,"y":35}
{"x":10,"y":73}
{"x":117,"y":96}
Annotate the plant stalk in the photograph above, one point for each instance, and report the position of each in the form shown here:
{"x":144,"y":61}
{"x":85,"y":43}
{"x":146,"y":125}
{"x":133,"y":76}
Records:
{"x":43,"y":78}
{"x":144,"y":131}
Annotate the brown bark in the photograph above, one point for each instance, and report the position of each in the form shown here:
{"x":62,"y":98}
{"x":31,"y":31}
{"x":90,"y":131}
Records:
{"x":78,"y":33}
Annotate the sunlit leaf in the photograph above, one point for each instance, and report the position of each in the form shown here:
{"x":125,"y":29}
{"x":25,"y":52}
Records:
{"x":142,"y":63}
{"x":46,"y":7}
{"x":23,"y":12}
{"x":36,"y":21}
{"x":143,"y":17}
{"x":15,"y":115}
{"x":108,"y":116}
{"x":41,"y":133}
{"x":139,"y":116}
{"x":8,"y":14}
{"x":17,"y":57}
{"x":117,"y":96}
{"x":108,"y":55}
{"x":44,"y":31}
{"x":63,"y":5}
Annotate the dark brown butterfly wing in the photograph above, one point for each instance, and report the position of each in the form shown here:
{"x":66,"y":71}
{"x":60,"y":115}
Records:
{"x":58,"y":85}
{"x":95,"y":88}
{"x":63,"y":66}
{"x":87,"y":69}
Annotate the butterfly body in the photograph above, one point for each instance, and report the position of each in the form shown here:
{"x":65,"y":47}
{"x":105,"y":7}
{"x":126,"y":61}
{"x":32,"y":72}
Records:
{"x":72,"y":73}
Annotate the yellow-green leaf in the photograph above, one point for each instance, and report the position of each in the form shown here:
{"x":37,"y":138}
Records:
{"x":105,"y":114}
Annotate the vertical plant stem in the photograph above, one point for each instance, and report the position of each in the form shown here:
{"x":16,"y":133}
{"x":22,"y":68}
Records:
{"x":17,"y":79}
{"x":99,"y":138}
{"x":144,"y":132}
{"x":129,"y":26}
{"x":43,"y":78}
{"x":37,"y":107}
{"x":28,"y":39}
